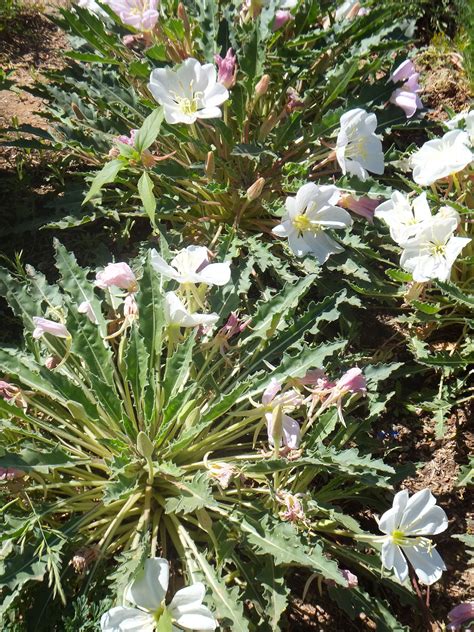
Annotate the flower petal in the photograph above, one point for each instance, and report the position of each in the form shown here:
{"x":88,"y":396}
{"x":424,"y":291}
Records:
{"x":188,"y":598}
{"x":392,"y":557}
{"x":149,"y":589}
{"x":200,"y":618}
{"x":428,"y":565}
{"x":390,"y":520}
{"x":122,"y":619}
{"x":216,"y":273}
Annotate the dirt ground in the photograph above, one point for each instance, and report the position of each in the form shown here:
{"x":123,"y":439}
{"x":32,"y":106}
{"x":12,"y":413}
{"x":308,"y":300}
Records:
{"x":33,"y":44}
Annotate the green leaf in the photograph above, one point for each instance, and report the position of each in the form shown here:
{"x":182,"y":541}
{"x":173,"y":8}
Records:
{"x":149,"y":131}
{"x":283,"y":543}
{"x":195,"y":494}
{"x":107,"y":174}
{"x":35,"y":461}
{"x":145,"y":190}
{"x":226,"y":599}
{"x":271,"y":312}
{"x":454,"y":292}
{"x":178,"y":366}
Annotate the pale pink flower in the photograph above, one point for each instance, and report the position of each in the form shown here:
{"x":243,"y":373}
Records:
{"x":118,"y":275}
{"x":462,"y":613}
{"x":352,"y":381}
{"x":363,"y":206}
{"x":142,"y":15}
{"x":280,"y":19}
{"x":290,"y":430}
{"x":45,"y":326}
{"x":86,"y":308}
{"x":226,"y":69}
{"x":127,"y":140}
{"x":406,"y":97}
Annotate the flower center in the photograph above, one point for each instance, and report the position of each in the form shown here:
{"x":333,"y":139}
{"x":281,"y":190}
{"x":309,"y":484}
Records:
{"x":303,"y":224}
{"x":437,"y":249}
{"x":398,"y":537}
{"x":356,"y":147}
{"x":188,"y":106}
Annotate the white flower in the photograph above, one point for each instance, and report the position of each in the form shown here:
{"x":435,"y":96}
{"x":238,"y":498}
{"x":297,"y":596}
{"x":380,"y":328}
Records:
{"x":191,"y":265}
{"x":358,"y":148}
{"x":403,"y":216}
{"x":405,"y":524}
{"x":290,"y":428}
{"x":188,"y":92}
{"x":441,"y":157}
{"x":86,"y":308}
{"x":177,"y":314}
{"x":468,"y":119}
{"x":432,"y":252}
{"x":93,"y":7}
{"x":148,"y":592}
{"x":308,"y":215}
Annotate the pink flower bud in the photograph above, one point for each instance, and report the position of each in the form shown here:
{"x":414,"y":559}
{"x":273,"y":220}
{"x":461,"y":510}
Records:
{"x":45,"y":326}
{"x":118,"y":275}
{"x":255,"y":190}
{"x":280,"y":19}
{"x":226,"y":69}
{"x":262,"y":86}
{"x":363,"y":206}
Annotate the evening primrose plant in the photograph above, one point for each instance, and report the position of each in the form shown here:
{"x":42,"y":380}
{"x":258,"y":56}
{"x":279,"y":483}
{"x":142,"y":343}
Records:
{"x":216,"y":448}
{"x":257,"y":99}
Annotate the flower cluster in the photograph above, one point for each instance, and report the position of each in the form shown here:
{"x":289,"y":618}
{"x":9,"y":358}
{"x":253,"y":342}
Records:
{"x":429,"y":243}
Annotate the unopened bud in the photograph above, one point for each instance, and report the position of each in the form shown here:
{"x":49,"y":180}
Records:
{"x":144,"y":445}
{"x":262,"y":86}
{"x":254,"y":191}
{"x":183,"y":16}
{"x":147,"y":158}
{"x":210,"y":165}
